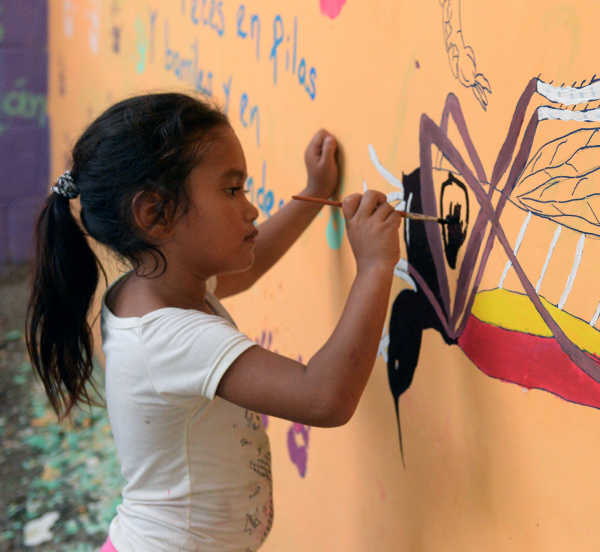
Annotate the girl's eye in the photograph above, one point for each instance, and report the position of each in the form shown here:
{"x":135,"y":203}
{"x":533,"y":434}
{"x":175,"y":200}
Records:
{"x":234,"y":189}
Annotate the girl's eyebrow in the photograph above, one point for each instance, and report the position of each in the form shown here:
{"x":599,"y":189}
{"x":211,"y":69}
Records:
{"x":234,"y":173}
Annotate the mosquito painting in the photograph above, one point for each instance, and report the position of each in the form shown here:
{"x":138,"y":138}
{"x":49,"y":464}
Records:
{"x":557,"y":181}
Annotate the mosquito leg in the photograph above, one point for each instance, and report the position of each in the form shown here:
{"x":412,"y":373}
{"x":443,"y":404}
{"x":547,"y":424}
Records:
{"x":432,"y":135}
{"x":453,"y":109}
{"x":596,"y":316}
{"x":548,"y":257}
{"x":573,"y":274}
{"x":510,"y":143}
{"x":586,"y":363}
{"x":516,"y":250}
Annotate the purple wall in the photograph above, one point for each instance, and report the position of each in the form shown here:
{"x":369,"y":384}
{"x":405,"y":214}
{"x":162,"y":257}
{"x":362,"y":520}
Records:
{"x":24,"y":133}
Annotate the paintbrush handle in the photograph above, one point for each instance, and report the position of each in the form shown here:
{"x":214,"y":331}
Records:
{"x":419,"y":216}
{"x":406,"y":214}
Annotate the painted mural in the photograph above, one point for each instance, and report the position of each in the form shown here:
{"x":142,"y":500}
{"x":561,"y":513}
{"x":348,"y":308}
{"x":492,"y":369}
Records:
{"x":478,"y":428}
{"x":537,"y":343}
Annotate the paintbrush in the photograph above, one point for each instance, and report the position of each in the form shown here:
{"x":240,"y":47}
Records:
{"x":413,"y":216}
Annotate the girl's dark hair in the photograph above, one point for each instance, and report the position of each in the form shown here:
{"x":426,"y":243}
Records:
{"x":146,"y":144}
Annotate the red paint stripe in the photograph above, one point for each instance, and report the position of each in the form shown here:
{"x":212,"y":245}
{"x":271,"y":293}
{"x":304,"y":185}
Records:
{"x":528,"y":360}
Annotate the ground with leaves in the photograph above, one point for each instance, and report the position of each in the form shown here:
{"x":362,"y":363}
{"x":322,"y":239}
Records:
{"x":69,"y":472}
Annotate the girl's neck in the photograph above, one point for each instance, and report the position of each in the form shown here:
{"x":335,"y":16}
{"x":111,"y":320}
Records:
{"x":135,"y":295}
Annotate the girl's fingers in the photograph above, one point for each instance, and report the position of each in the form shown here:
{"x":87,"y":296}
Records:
{"x":350,"y":205}
{"x":329,"y":147}
{"x":395,"y":218}
{"x":370,"y":201}
{"x":371,"y":204}
{"x":384,"y":211}
{"x":315,"y":147}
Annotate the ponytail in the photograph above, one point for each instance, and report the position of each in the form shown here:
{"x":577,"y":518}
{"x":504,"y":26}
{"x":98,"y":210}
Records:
{"x":58,"y":334}
{"x":148,"y":143}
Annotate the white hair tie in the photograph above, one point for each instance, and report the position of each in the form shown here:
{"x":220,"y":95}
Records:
{"x":65,"y":186}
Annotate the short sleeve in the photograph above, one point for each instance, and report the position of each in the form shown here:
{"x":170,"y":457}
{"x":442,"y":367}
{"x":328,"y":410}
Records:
{"x":186,"y":353}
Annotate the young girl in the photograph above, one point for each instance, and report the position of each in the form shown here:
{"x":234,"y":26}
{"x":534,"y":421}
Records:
{"x":161,"y":180}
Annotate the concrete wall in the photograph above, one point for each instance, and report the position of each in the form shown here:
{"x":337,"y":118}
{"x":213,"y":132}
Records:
{"x":24,"y":136}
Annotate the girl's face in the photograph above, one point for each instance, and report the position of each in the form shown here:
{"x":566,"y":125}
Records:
{"x":217,"y":235}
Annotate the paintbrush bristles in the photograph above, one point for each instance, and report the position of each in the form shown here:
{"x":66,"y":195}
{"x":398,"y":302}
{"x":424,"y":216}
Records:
{"x":419,"y":216}
{"x":413,"y":216}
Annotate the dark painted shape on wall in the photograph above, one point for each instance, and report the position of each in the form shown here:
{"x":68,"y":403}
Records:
{"x":412,"y":312}
{"x":454,"y":235}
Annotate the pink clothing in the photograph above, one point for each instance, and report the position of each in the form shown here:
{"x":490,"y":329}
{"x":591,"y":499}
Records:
{"x":108,"y":547}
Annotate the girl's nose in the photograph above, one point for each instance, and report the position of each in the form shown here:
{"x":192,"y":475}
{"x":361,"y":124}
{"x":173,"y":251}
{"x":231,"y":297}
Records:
{"x":251,"y":211}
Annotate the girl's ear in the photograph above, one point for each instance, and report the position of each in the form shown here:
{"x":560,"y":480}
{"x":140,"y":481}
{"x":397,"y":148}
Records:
{"x":152,"y":214}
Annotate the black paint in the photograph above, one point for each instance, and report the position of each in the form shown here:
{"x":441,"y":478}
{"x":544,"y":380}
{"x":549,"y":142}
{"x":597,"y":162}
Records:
{"x":412,"y":312}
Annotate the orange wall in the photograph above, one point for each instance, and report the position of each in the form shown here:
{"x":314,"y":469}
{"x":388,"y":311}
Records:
{"x":490,"y":464}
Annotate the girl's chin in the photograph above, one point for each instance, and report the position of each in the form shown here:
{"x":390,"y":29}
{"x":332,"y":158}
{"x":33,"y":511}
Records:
{"x":251,"y":260}
{"x":243,"y":266}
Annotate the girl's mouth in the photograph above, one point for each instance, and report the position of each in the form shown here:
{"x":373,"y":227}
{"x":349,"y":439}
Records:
{"x":251,"y":237}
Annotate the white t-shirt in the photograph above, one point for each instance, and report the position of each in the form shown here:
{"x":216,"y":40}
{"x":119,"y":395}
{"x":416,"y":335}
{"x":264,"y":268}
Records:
{"x":198,"y":468}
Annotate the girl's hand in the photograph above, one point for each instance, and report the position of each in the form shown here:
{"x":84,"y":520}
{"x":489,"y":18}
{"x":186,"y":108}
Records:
{"x":326,"y":391}
{"x":322,"y":166}
{"x":372,"y":225}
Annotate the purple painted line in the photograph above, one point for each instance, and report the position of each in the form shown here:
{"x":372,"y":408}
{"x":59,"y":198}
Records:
{"x":298,"y":452}
{"x":500,"y":167}
{"x":520,"y":161}
{"x":429,"y":206}
{"x":453,"y":108}
{"x":588,"y":365}
{"x":506,"y":151}
{"x":430,"y":295}
{"x":430,"y":135}
{"x":265,"y":420}
{"x":473,"y":246}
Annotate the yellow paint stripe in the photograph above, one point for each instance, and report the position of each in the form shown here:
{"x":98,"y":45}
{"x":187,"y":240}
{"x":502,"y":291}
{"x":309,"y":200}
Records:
{"x":515,"y":311}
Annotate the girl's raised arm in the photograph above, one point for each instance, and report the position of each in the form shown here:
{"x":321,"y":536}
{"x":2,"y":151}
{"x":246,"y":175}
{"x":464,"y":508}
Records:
{"x":278,"y":233}
{"x":326,"y":391}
